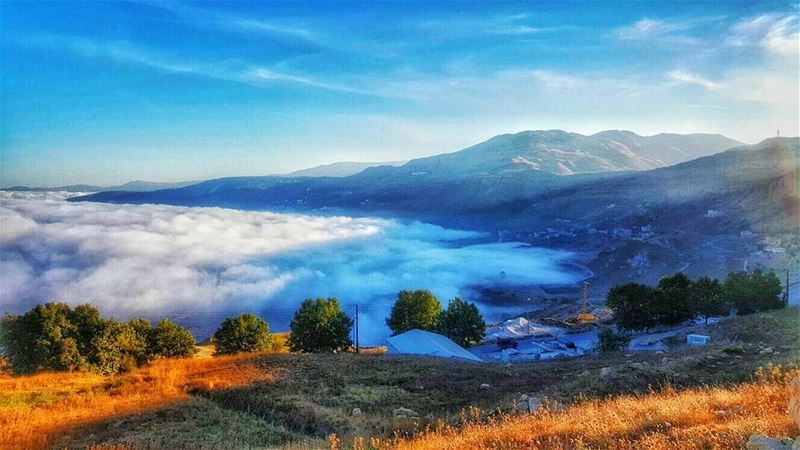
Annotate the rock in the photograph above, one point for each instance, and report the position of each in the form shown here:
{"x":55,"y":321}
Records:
{"x":639,"y":366}
{"x":485,"y":385}
{"x":796,"y":445}
{"x":761,"y":442}
{"x":794,"y":401}
{"x":585,"y":373}
{"x":529,"y":404}
{"x":429,"y":416}
{"x":766,"y":351}
{"x":419,"y":387}
{"x":607,"y":372}
{"x":356,"y":412}
{"x":629,"y":355}
{"x":405,"y":413}
{"x":660,"y":352}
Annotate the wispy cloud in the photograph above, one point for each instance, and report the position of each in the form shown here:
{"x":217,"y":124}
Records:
{"x":682,"y":77}
{"x":777,"y":33}
{"x":228,"y":70}
{"x":222,"y":20}
{"x":649,"y":28}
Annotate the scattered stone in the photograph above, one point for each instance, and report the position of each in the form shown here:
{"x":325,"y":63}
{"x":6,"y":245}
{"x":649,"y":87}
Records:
{"x":529,"y":404}
{"x":485,"y":386}
{"x":405,"y":413}
{"x":667,"y":425}
{"x":356,"y":412}
{"x":607,"y":372}
{"x":419,"y":387}
{"x":766,"y":351}
{"x":629,"y":355}
{"x":429,"y":416}
{"x":761,"y":442}
{"x":794,"y":401}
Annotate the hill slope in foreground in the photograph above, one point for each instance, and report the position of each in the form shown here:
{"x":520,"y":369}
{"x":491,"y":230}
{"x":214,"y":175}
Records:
{"x":711,"y":397}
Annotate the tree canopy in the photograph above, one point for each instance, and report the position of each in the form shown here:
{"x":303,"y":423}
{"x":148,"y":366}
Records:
{"x":414,"y":309}
{"x":244,"y":333}
{"x":53,"y":336}
{"x":320,"y":326}
{"x":462,"y":322}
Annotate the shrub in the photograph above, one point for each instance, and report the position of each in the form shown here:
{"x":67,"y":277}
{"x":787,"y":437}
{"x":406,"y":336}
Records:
{"x":169,"y":340}
{"x":320,"y":326}
{"x":611,"y":342}
{"x":414,"y":309}
{"x":245,"y":333}
{"x":462,"y":322}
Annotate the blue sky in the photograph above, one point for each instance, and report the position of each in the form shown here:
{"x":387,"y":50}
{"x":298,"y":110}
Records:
{"x":103,"y":93}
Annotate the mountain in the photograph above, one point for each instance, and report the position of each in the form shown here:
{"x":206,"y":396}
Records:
{"x":131,"y":186}
{"x":667,"y":149}
{"x":562,"y":153}
{"x":340,"y":169}
{"x":70,"y":188}
{"x":505,"y":168}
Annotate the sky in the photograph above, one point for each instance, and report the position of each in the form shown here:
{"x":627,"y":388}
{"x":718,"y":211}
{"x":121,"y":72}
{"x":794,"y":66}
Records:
{"x":104,"y":93}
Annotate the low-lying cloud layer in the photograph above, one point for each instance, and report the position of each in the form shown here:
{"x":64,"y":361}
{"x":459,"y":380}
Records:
{"x":203,"y":263}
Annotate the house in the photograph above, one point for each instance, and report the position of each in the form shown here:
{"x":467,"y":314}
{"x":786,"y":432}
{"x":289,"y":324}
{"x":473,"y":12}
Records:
{"x":420,"y":342}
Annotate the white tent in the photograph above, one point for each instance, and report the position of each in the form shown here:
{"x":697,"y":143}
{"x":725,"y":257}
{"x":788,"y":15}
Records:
{"x":420,"y":342}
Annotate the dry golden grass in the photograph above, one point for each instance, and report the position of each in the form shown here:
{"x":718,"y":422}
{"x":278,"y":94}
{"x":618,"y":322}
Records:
{"x":702,"y":418}
{"x":35,"y":409}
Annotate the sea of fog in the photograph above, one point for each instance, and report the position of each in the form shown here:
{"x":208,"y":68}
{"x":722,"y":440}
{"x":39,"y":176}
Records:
{"x":198,"y":265}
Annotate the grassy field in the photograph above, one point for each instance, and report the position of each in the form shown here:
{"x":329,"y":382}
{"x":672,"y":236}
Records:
{"x":711,"y":397}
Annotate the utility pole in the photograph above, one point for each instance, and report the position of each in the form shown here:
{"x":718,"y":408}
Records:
{"x":786,"y":291}
{"x":585,"y":297}
{"x":358,"y":350}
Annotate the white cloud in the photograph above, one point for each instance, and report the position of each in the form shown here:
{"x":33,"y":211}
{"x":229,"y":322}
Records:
{"x":228,"y":70}
{"x":201,"y":262}
{"x":777,"y":33}
{"x":680,"y":76}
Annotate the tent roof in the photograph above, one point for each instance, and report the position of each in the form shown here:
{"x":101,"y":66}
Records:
{"x":420,"y":342}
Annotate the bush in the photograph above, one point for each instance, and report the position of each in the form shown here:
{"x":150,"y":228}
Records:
{"x":414,"y":309}
{"x":320,"y":326}
{"x":169,"y":340}
{"x":462,"y":322}
{"x":612,"y":342}
{"x":245,"y":333}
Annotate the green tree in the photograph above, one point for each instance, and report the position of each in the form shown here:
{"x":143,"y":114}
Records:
{"x":42,"y":338}
{"x":633,"y":305}
{"x":755,"y":291}
{"x":320,"y":326}
{"x":462,"y":322}
{"x":414,"y":309}
{"x":675,"y":301}
{"x":118,"y":348}
{"x":707,"y":297}
{"x":169,"y":340}
{"x":608,"y":341}
{"x":245,"y":333}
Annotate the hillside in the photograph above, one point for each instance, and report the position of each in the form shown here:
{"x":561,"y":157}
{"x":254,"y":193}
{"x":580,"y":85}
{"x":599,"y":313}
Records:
{"x":340,"y":169}
{"x":298,"y":400}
